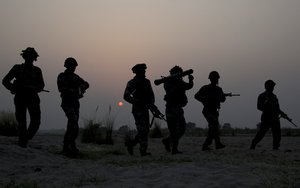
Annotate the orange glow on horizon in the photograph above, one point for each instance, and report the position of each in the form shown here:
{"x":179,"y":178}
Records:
{"x":120,"y":103}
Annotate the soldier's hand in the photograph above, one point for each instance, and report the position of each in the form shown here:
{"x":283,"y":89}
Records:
{"x":191,"y":77}
{"x":283,"y":115}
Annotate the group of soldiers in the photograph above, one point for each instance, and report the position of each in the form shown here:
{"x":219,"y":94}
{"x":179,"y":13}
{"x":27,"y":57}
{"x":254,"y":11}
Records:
{"x":25,"y":81}
{"x":140,"y":94}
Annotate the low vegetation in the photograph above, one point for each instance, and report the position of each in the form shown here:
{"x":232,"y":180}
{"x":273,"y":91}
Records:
{"x":99,"y":132}
{"x":8,"y":124}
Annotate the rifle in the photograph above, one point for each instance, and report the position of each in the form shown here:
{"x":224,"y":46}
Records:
{"x":156,"y":114}
{"x":288,"y":119}
{"x":231,"y":95}
{"x":164,"y":79}
{"x":15,"y":84}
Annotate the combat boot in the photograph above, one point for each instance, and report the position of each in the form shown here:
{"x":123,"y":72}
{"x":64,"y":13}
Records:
{"x":275,"y":147}
{"x":176,"y":151}
{"x":252,"y":147}
{"x":144,"y":152}
{"x":70,"y":150}
{"x":205,"y":148}
{"x":220,"y":146}
{"x":167,"y":144}
{"x":175,"y":148}
{"x":74,"y":149}
{"x":65,"y":149}
{"x":22,"y":144}
{"x":129,"y":144}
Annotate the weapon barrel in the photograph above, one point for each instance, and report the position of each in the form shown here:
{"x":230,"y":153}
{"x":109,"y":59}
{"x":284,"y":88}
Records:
{"x":231,"y":95}
{"x":292,"y":122}
{"x":164,"y":79}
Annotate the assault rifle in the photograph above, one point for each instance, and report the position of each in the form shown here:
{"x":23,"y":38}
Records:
{"x":231,"y":95}
{"x":164,"y":79}
{"x":156,"y":114}
{"x":288,"y":119}
{"x":16,"y":85}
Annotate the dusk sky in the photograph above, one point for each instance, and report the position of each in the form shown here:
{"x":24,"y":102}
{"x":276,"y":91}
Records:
{"x":247,"y":42}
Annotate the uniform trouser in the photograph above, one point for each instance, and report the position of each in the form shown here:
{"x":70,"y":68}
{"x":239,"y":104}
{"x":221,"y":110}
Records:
{"x":141,"y":117}
{"x":72,"y":112}
{"x":176,"y":124}
{"x":32,"y":104}
{"x":212,"y":117}
{"x":264,"y":127}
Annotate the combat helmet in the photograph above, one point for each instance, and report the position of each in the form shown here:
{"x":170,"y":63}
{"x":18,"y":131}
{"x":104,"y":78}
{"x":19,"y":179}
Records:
{"x":213,"y":75}
{"x":70,"y":62}
{"x":29,"y":52}
{"x":269,"y":84}
{"x":176,"y":69}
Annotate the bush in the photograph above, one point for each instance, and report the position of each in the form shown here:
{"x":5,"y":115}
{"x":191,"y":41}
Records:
{"x":96,"y":133}
{"x":99,"y":132}
{"x":108,"y":129}
{"x":8,"y":124}
{"x":90,"y":132}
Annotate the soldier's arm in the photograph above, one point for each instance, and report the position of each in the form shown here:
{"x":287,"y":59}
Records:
{"x":200,"y":96}
{"x":222,"y":95}
{"x":281,"y":113}
{"x":41,"y":84}
{"x":197,"y":96}
{"x":260,"y":103}
{"x":152,"y":97}
{"x":84,"y":85}
{"x":6,"y":81}
{"x":129,"y":90}
{"x":61,"y":84}
{"x":188,"y":85}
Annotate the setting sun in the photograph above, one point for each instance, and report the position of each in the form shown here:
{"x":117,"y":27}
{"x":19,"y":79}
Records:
{"x":120,"y":103}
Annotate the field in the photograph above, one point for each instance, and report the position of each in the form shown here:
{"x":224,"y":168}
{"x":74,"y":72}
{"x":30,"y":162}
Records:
{"x":41,"y":165}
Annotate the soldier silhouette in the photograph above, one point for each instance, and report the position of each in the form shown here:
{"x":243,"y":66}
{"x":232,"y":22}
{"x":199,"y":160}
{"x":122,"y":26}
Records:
{"x":25,"y":81}
{"x":139,"y":93}
{"x":211,"y":96}
{"x":72,"y":87}
{"x":267,"y":102}
{"x":176,"y":99}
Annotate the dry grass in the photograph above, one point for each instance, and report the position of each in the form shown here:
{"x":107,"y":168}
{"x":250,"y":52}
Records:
{"x":8,"y":124}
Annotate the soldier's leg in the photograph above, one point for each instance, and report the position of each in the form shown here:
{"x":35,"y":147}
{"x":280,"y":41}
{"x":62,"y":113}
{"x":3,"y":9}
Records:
{"x":35,"y":119}
{"x":142,"y":125}
{"x":181,"y":127}
{"x":173,"y":126}
{"x":167,"y":141}
{"x":182,"y":123}
{"x":276,"y":133}
{"x":20,"y":113}
{"x":217,"y":139}
{"x":210,"y":133}
{"x":75,"y":131}
{"x":264,"y":127}
{"x":72,"y":128}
